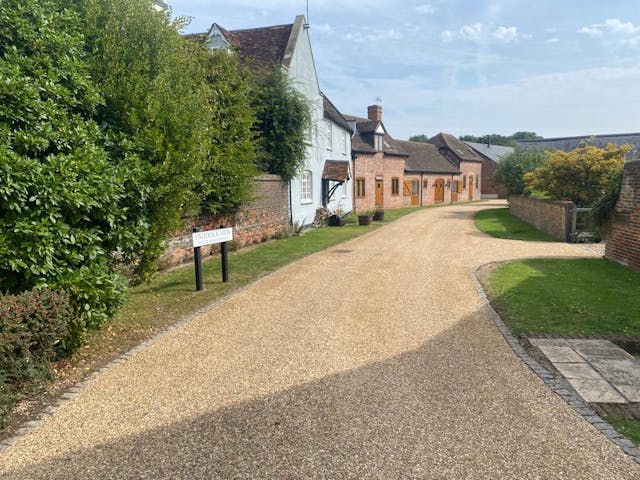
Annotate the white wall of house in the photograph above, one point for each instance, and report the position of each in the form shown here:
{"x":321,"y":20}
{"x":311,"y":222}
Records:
{"x":339,"y":149}
{"x":302,"y":71}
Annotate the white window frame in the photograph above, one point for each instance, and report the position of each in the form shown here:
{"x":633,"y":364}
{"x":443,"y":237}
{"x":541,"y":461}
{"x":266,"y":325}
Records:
{"x":306,"y":187}
{"x":379,"y":142}
{"x":329,"y":133}
{"x":345,"y":144}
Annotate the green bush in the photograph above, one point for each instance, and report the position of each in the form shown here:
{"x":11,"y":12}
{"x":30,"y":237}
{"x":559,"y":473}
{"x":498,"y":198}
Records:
{"x":33,"y":329}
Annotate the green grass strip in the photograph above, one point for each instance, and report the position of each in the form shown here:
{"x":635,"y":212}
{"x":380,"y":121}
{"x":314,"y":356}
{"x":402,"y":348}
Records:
{"x":581,"y":296}
{"x":628,"y":428}
{"x":499,"y":223}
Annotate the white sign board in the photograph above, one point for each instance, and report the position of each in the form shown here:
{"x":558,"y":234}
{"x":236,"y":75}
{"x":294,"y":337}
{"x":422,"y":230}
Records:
{"x":210,"y":237}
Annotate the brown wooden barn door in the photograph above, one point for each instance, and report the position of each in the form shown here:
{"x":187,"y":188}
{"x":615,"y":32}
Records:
{"x":379,"y":194}
{"x":415,"y":193}
{"x":438,"y":193}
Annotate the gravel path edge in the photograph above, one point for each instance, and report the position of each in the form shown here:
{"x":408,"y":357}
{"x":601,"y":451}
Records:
{"x":559,"y":386}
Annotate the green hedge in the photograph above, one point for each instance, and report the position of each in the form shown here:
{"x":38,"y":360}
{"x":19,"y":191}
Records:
{"x":33,"y":328}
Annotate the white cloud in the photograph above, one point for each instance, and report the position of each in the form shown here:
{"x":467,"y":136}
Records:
{"x":426,"y":9}
{"x":360,"y":37}
{"x":478,"y":33}
{"x":611,"y":26}
{"x":553,"y":40}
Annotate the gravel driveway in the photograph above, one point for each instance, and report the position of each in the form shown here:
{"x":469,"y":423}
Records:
{"x":375,"y":359}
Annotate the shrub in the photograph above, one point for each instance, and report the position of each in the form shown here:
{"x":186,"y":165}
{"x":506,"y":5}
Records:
{"x":33,"y":329}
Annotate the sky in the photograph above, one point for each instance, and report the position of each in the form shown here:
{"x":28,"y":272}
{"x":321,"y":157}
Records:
{"x":554,"y":67}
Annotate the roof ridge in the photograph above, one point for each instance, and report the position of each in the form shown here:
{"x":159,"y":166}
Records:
{"x":575,"y":137}
{"x":260,"y":28}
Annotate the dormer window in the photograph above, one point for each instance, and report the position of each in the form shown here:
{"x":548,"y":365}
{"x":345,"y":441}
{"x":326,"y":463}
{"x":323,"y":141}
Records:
{"x":379,"y":142}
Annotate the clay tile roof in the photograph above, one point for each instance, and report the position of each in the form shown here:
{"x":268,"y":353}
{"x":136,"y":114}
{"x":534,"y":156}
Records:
{"x":460,"y":149}
{"x":261,"y":48}
{"x":425,"y":157}
{"x":336,"y":170}
{"x":363,"y":138}
{"x":332,"y":113}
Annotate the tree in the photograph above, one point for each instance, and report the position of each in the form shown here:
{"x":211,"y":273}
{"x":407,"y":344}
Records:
{"x":526,"y":136}
{"x":582,"y":175}
{"x":172,"y":111}
{"x":512,"y":168}
{"x":493,"y":139}
{"x":283,"y":118}
{"x":422,"y":138}
{"x":67,"y":214}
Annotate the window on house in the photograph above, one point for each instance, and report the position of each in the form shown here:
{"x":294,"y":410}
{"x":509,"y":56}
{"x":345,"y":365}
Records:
{"x":379,"y":142}
{"x":345,"y":144}
{"x":395,"y":186}
{"x":306,"y":187}
{"x":464,"y":182}
{"x":329,"y":128}
{"x":359,"y":187}
{"x":309,"y":135}
{"x":425,"y":184}
{"x":415,"y":187}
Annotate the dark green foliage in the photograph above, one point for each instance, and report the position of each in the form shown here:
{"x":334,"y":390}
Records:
{"x":419,"y":138}
{"x":602,"y":210}
{"x":526,"y":136}
{"x":33,"y":327}
{"x":67,"y":214}
{"x":493,"y":139}
{"x":180,"y":113}
{"x":512,"y":168}
{"x":283,"y":118}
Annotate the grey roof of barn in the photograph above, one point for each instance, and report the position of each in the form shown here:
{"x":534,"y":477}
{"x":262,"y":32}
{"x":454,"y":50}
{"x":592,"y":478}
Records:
{"x":333,"y":114}
{"x":363,"y":138}
{"x":492,"y":152}
{"x":460,"y":149}
{"x":425,"y":158}
{"x":571,"y":143}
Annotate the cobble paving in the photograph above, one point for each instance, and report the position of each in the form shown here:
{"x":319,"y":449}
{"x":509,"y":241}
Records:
{"x":382,"y":362}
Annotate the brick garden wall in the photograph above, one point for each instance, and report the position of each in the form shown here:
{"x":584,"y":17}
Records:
{"x":265,"y":217}
{"x":549,"y":216}
{"x":623,"y":244}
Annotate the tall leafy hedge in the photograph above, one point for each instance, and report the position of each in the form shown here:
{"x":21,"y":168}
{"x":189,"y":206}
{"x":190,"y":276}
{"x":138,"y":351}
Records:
{"x":67,"y":213}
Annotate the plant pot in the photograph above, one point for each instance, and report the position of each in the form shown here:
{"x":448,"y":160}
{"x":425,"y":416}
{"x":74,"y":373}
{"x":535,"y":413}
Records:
{"x":379,"y":215}
{"x":365,"y":219}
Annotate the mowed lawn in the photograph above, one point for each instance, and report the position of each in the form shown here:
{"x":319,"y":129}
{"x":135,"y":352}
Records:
{"x":578,"y":296}
{"x":499,"y":223}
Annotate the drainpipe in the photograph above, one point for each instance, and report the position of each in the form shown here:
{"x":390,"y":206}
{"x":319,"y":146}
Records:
{"x":421,"y":187}
{"x":290,"y":205}
{"x":451,"y":191}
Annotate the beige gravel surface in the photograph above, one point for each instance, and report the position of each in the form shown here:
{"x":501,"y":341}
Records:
{"x":377,"y":363}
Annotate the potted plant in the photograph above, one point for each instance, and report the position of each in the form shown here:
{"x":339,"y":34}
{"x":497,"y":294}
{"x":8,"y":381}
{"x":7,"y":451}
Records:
{"x":366,"y":217}
{"x":378,"y":215}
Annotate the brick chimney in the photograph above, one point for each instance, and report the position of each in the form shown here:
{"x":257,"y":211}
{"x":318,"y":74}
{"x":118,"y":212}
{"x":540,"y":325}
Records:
{"x":374,"y":112}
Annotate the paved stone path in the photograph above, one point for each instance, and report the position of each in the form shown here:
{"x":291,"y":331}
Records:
{"x":599,"y":370}
{"x":381,"y":362}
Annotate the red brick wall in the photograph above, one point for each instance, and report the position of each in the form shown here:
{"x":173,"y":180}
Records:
{"x":548,"y":216}
{"x":372,"y":166}
{"x":623,"y":244}
{"x":258,"y":221}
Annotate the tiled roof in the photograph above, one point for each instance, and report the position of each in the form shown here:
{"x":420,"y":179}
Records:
{"x":261,"y":48}
{"x":425,"y":157}
{"x":571,"y":143}
{"x":337,"y":170}
{"x":363,"y":139}
{"x":332,"y":113}
{"x":460,"y":149}
{"x":492,"y":152}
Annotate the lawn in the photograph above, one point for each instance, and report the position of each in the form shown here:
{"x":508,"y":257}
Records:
{"x":499,"y":223}
{"x":628,"y":428}
{"x":582,"y":296}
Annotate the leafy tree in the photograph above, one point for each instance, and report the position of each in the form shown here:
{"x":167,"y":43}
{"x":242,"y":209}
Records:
{"x":512,"y":168}
{"x":422,"y":138}
{"x":526,"y":136}
{"x":493,"y":139}
{"x":601,"y":214}
{"x":171,"y":110}
{"x":67,"y":214}
{"x":283,"y":118}
{"x":583,"y":174}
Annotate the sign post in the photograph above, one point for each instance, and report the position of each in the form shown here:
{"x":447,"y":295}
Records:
{"x":197,"y":258}
{"x":209,"y":237}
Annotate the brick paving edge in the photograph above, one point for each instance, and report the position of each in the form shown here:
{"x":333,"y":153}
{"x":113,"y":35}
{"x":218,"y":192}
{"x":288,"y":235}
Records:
{"x":559,"y":386}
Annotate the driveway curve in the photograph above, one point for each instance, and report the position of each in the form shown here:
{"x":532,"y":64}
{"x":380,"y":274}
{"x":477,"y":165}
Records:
{"x":374,"y":359}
